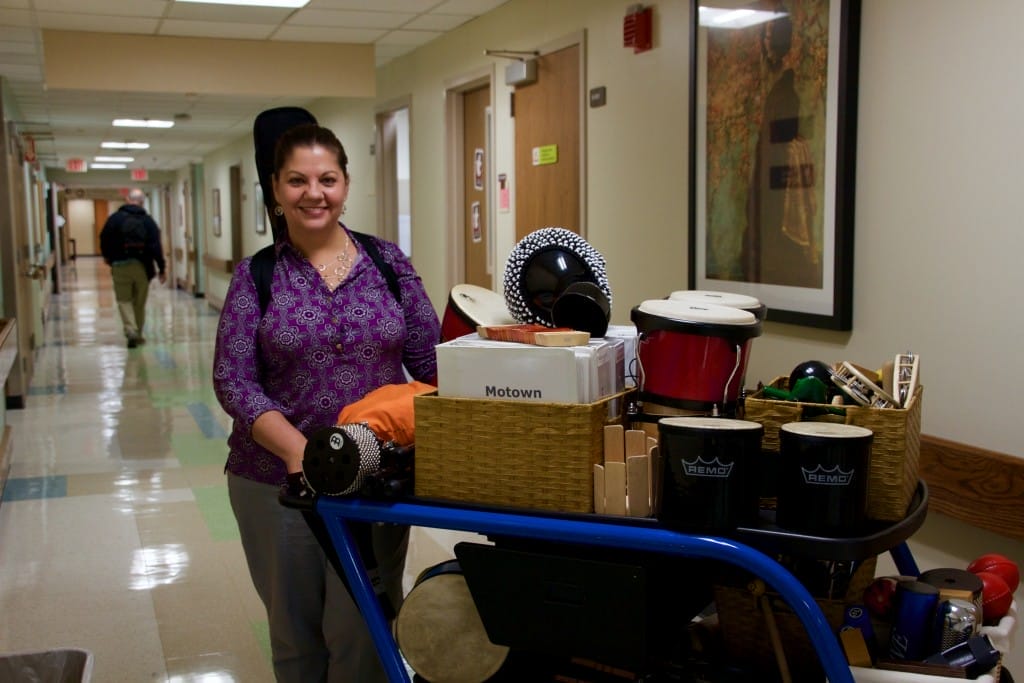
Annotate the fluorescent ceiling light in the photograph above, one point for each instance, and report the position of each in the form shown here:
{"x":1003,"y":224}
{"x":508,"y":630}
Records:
{"x":143,"y":123}
{"x":107,"y":166}
{"x":731,"y":17}
{"x":124,"y":145}
{"x":115,"y":160}
{"x":291,"y":4}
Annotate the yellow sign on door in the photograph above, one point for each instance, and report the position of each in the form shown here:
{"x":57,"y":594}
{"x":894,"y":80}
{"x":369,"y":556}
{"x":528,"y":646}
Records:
{"x":544,"y":155}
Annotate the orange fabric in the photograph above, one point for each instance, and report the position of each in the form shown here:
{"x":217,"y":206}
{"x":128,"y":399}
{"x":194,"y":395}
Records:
{"x":387,"y":411}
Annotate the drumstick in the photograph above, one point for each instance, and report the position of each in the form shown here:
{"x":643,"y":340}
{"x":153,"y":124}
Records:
{"x":538,"y":335}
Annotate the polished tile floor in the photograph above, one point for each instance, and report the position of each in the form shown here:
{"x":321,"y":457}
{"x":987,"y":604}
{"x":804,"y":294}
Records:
{"x":115,"y":532}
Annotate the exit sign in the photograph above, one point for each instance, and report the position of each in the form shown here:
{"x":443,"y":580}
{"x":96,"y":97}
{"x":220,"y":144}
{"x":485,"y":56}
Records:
{"x":76,"y":166}
{"x":139,"y":174}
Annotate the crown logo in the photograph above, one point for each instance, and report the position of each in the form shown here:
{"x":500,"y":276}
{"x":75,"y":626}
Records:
{"x":820,"y":476}
{"x":714,"y":469}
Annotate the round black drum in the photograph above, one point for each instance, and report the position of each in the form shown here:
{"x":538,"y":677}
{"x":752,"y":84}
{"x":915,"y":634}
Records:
{"x":710,"y":472}
{"x":823,"y":473}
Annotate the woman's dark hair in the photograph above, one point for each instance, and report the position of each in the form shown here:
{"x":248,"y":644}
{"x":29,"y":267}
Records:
{"x":308,"y":135}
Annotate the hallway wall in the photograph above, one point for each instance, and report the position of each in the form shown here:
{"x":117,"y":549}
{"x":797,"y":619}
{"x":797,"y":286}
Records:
{"x":936,"y":162}
{"x":937,"y":229}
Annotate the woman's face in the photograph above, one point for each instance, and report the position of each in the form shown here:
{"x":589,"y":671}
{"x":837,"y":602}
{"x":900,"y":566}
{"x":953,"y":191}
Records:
{"x":311,"y":188}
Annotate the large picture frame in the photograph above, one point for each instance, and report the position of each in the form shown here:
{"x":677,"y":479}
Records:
{"x":773,"y":134}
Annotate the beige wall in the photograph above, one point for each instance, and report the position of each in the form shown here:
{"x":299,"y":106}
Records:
{"x":937,"y":234}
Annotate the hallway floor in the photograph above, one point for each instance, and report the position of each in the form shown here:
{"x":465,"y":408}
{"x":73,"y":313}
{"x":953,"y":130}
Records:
{"x":116,"y":535}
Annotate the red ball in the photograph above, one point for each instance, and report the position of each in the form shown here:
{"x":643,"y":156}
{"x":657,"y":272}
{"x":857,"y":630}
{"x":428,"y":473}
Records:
{"x":997,"y":564}
{"x":878,"y":596}
{"x":996,"y":597}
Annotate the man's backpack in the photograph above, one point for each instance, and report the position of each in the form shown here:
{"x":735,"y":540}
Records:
{"x":133,"y":236}
{"x":262,"y":269}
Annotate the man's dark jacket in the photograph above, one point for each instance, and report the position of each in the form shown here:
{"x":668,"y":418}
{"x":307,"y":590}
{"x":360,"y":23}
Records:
{"x":112,"y":247}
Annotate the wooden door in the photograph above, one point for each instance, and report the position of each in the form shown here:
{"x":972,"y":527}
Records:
{"x":547,"y":123}
{"x":476,"y":165}
{"x":101,"y":211}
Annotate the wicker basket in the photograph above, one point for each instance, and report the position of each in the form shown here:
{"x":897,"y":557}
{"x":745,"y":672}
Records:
{"x":520,"y":454}
{"x":744,"y":630}
{"x":895,"y":448}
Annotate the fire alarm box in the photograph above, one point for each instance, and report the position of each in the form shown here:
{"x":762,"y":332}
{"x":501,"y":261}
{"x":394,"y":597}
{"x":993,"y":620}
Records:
{"x":637,"y":28}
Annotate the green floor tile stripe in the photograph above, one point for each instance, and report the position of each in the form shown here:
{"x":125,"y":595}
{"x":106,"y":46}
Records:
{"x":196,"y":449}
{"x":216,"y":511}
{"x":261,"y":631}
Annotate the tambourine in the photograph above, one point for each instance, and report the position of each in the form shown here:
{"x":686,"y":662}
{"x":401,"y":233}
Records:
{"x":904,"y":377}
{"x":861,"y":389}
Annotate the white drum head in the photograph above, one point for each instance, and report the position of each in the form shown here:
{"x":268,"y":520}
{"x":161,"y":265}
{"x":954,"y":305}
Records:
{"x":441,"y":636}
{"x":721,"y":298}
{"x":481,"y":305}
{"x":709,"y":423}
{"x":689,"y":311}
{"x":831,"y":430}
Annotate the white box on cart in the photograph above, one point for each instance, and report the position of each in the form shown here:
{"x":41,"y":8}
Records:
{"x":473,"y":367}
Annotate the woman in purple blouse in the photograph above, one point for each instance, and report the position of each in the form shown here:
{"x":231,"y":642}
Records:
{"x":331,"y":333}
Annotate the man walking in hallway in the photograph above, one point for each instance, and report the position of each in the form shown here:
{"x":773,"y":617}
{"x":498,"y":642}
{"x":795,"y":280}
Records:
{"x":130,"y":244}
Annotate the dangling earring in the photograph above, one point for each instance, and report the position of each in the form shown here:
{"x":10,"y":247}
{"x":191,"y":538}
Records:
{"x":278,"y":210}
{"x":344,"y":207}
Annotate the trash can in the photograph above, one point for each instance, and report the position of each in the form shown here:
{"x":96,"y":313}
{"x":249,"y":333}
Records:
{"x":69,"y":665}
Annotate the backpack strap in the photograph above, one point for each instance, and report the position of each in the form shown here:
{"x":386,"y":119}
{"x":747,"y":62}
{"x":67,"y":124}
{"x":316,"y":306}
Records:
{"x":383,"y":266}
{"x":262,"y":269}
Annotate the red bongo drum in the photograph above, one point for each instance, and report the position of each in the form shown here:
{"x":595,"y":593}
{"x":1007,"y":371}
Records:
{"x":470,"y":306}
{"x":693,"y":356}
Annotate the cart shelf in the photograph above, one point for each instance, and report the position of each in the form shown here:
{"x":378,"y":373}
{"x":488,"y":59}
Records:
{"x":746,"y":549}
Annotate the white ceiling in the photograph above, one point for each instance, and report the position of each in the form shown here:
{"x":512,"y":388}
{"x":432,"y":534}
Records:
{"x":70,"y":124}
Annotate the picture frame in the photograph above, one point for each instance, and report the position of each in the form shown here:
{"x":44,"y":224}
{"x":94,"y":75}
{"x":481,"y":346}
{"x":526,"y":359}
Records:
{"x":772,"y":166}
{"x":215,"y":206}
{"x":259,"y":211}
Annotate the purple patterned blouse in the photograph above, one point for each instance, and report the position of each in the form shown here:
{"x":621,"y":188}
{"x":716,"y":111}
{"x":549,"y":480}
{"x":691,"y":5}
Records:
{"x":315,"y":351}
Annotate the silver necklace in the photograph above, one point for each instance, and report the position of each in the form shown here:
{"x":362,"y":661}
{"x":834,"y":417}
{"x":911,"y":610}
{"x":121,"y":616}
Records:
{"x":339,"y":267}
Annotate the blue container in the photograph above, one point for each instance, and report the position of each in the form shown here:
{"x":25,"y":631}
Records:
{"x":913,"y":625}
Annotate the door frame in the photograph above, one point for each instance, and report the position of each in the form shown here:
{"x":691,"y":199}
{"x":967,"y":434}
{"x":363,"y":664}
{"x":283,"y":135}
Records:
{"x":568,"y":40}
{"x":387,"y":217}
{"x":456,"y":215}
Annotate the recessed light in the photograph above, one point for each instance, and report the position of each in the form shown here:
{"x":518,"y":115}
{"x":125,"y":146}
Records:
{"x":143,"y":123}
{"x":291,"y":4}
{"x":107,"y":166}
{"x":115,"y":160}
{"x":124,"y":145}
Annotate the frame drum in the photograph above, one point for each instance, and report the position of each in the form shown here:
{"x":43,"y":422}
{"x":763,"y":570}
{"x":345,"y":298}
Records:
{"x":439,"y":630}
{"x":692,"y":356}
{"x":470,"y":306}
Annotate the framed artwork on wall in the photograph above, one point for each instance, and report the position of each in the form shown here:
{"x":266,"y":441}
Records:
{"x":216,"y":212}
{"x":773,"y":134}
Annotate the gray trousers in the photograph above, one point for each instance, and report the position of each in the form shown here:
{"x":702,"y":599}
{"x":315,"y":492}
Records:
{"x":131,"y":288}
{"x":316,"y":631}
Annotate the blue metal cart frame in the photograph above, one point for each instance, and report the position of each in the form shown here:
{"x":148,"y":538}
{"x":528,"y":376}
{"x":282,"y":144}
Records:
{"x":337,"y":512}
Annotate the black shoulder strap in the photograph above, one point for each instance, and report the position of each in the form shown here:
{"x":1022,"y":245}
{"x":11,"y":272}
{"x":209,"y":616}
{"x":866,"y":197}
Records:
{"x":262,"y":268}
{"x":383,"y":266}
